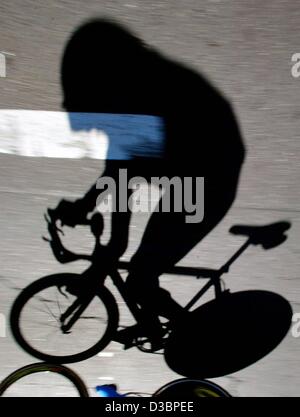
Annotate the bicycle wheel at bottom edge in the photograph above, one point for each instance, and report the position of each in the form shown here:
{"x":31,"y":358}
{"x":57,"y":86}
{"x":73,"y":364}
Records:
{"x":65,"y":385}
{"x":191,"y":388}
{"x":35,"y":319}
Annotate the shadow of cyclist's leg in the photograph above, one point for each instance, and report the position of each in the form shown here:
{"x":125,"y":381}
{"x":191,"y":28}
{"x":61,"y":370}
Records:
{"x":166,"y":240}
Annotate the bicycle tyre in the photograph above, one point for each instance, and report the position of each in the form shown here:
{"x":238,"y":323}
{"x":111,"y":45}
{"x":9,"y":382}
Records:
{"x":44,"y":367}
{"x":191,"y":388}
{"x":60,"y":280}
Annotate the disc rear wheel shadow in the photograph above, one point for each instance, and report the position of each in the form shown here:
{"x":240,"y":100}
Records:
{"x":228,"y":334}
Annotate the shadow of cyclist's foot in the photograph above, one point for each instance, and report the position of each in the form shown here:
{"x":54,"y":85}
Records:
{"x":175,"y":318}
{"x":137,"y":335}
{"x":128,"y":335}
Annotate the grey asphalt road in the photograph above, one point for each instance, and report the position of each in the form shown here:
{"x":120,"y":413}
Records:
{"x":245,"y":49}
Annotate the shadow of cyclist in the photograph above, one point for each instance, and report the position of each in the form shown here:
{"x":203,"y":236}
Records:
{"x":108,"y":70}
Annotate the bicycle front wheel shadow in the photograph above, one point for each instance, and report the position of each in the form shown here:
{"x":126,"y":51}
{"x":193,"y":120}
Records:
{"x":52,"y":323}
{"x":191,"y":389}
{"x":48,"y":380}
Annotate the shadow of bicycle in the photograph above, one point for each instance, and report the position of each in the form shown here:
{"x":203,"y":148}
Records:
{"x":228,"y":334}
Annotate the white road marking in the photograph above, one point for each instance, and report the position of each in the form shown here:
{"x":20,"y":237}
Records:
{"x":52,"y":134}
{"x":7,"y":53}
{"x":106,"y":354}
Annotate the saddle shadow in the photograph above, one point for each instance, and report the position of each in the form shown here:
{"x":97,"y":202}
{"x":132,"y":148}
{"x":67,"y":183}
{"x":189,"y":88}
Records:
{"x":226,"y":335}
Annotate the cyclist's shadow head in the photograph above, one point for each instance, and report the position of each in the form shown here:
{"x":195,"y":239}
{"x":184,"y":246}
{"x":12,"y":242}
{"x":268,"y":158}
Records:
{"x":102,"y":63}
{"x":107,"y":74}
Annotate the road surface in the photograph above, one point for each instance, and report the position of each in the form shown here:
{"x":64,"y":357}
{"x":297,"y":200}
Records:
{"x":245,"y":49}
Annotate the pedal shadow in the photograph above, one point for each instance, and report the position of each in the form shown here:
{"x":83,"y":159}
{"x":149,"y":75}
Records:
{"x":225,"y":336}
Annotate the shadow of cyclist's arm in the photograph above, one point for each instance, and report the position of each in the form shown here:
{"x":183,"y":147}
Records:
{"x":119,"y":219}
